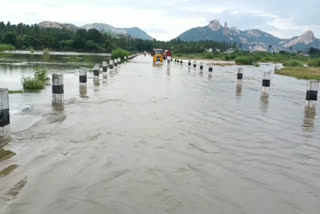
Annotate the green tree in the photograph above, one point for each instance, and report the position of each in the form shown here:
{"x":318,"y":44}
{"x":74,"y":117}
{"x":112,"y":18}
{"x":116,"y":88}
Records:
{"x":10,"y":38}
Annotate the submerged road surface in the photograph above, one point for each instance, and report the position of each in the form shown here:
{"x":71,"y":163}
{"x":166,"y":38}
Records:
{"x":153,"y":141}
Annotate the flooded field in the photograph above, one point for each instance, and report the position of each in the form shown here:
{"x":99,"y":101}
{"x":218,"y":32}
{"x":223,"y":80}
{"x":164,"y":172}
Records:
{"x":157,"y":140}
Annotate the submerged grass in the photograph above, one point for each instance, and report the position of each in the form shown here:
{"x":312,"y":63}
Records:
{"x":6,"y":154}
{"x":306,"y":73}
{"x":8,"y":170}
{"x":15,"y":92}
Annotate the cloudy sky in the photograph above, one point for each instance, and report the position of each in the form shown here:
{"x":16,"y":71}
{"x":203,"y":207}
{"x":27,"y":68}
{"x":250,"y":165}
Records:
{"x":165,"y":20}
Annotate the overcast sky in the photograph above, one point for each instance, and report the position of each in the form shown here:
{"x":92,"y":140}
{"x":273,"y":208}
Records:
{"x":165,"y":20}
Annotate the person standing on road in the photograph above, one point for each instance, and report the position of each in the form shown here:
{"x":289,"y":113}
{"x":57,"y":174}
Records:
{"x":169,"y":55}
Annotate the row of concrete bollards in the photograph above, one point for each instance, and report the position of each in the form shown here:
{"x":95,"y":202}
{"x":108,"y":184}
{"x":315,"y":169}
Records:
{"x":57,"y":92}
{"x":311,"y":94}
{"x":57,"y":81}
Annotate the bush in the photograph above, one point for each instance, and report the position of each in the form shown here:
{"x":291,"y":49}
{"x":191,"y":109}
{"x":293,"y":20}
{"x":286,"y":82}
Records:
{"x":39,"y":81}
{"x":314,"y":62}
{"x":293,"y":63}
{"x":209,"y":55}
{"x":119,"y":53}
{"x":6,"y":47}
{"x":244,"y":60}
{"x":227,"y":57}
{"x":32,"y":84}
{"x":41,"y":74}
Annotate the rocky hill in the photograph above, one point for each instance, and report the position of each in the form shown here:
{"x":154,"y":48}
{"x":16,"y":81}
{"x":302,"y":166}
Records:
{"x":253,"y":40}
{"x":48,"y":24}
{"x":132,"y":32}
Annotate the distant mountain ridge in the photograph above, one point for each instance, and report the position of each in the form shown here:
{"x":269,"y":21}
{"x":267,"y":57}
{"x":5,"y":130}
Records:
{"x":253,"y":40}
{"x":66,"y":26}
{"x":133,"y":32}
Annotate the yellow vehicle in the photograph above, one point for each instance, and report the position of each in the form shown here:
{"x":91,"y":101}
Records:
{"x":157,"y":56}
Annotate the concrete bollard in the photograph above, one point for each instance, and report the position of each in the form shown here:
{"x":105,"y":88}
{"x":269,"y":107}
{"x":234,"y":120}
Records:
{"x":119,"y":60}
{"x":210,"y":69}
{"x":57,"y":91}
{"x":181,"y":62}
{"x":115,"y":63}
{"x":240,"y":76}
{"x":266,"y":82}
{"x":312,"y":94}
{"x":104,"y":69}
{"x":111,"y":66}
{"x":4,"y":115}
{"x":189,"y":63}
{"x":194,"y":64}
{"x":201,"y":66}
{"x":96,"y":74}
{"x":83,"y":81}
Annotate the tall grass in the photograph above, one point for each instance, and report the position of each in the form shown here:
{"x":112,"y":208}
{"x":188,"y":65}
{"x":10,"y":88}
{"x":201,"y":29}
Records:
{"x":119,"y":53}
{"x":293,"y":63}
{"x":314,"y":62}
{"x":6,"y":47}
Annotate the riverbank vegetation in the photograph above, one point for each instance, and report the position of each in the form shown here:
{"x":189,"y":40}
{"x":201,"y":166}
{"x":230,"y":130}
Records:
{"x":308,"y":73}
{"x":6,"y":47}
{"x":250,"y":58}
{"x":38,"y":81}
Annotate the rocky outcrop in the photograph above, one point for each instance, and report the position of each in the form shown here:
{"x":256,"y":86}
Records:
{"x":214,"y":25}
{"x":226,"y":30}
{"x":306,"y":38}
{"x":48,"y":24}
{"x":254,"y":40}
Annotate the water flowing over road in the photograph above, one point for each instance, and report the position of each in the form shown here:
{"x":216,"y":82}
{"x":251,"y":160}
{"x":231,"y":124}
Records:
{"x":152,"y":140}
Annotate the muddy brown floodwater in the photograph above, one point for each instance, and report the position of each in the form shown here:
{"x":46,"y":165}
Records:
{"x":150,"y":141}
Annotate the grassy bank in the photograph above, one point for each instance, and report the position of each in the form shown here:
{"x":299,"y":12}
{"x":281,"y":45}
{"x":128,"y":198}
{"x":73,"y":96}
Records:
{"x":307,"y":73}
{"x":247,"y":58}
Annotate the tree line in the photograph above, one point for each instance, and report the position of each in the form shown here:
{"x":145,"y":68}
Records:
{"x":34,"y":37}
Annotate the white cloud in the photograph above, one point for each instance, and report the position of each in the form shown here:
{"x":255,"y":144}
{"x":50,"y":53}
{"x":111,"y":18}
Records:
{"x":163,"y":21}
{"x":286,"y":28}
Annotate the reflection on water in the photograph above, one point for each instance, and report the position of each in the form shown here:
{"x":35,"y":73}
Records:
{"x":58,"y":107}
{"x":29,"y":59}
{"x":239,"y":90}
{"x":83,"y":91}
{"x":310,"y":115}
{"x":264,"y":102}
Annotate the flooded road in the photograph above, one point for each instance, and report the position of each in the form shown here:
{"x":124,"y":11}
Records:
{"x":149,"y":140}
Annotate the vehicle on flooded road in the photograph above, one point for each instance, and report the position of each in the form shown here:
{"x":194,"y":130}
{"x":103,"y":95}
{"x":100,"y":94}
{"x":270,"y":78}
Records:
{"x":157,"y":56}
